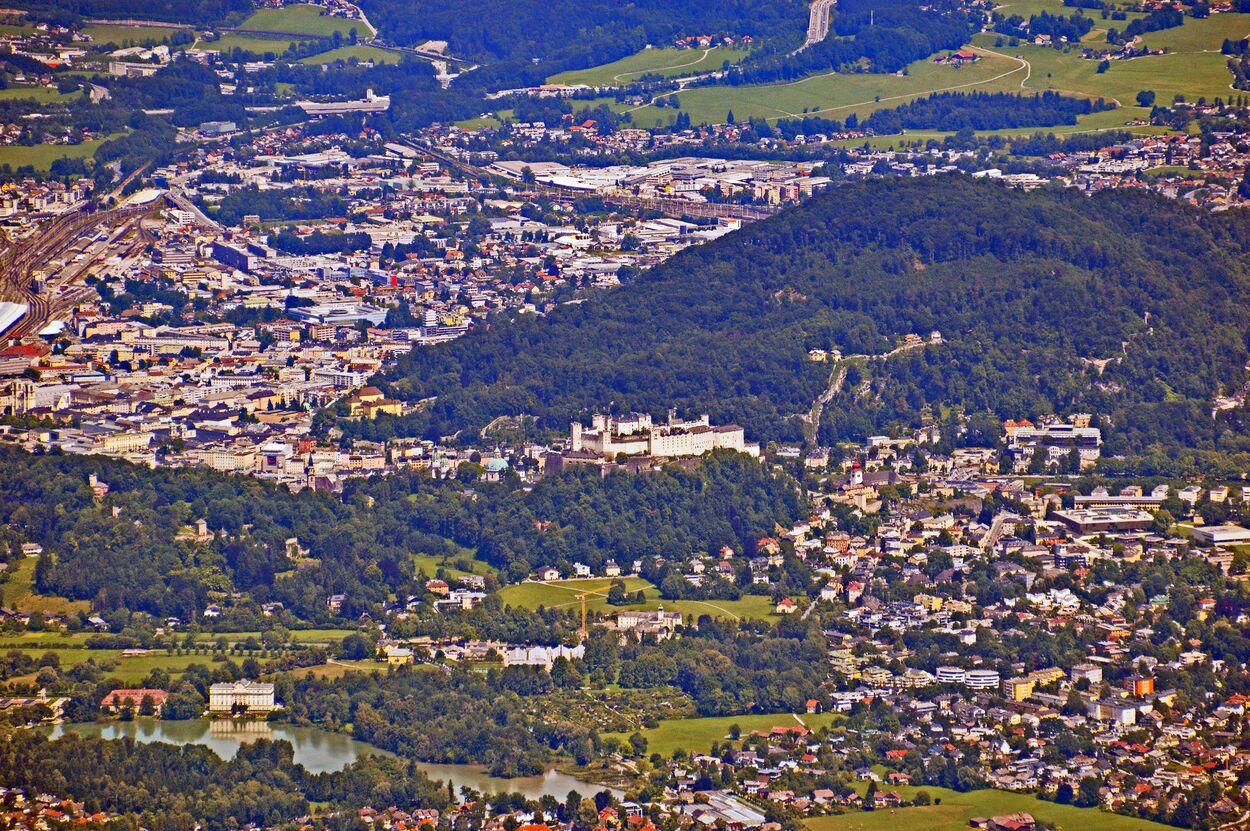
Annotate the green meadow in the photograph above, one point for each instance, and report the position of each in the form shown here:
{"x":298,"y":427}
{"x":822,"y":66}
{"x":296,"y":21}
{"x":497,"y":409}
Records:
{"x":668,"y":62}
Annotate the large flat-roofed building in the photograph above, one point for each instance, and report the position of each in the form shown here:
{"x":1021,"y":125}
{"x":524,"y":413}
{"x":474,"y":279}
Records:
{"x":371,"y":104}
{"x":342,"y":314}
{"x":1221,"y":534}
{"x":1099,"y":520}
{"x":1057,"y":441}
{"x":636,"y":435}
{"x":246,"y":696}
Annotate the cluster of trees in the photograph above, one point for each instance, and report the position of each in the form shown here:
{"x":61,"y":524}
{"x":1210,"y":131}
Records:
{"x":164,"y":787}
{"x":319,"y":242}
{"x":1025,"y":288}
{"x":983,"y":111}
{"x":1153,"y":22}
{"x":1057,"y":26}
{"x":198,"y":12}
{"x":293,"y":203}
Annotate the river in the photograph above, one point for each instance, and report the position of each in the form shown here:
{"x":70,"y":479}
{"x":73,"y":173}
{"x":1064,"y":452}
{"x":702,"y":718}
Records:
{"x":318,"y":750}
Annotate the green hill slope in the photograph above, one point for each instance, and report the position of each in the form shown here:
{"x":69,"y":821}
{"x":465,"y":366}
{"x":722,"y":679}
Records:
{"x":1121,"y":304}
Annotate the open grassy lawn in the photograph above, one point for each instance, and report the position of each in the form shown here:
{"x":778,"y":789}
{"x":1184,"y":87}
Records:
{"x":360,"y":52}
{"x":837,"y":95}
{"x":1105,"y":121}
{"x":957,"y":808}
{"x":131,"y":669}
{"x":1190,"y":75}
{"x":338,"y":669}
{"x":303,"y":20}
{"x":44,"y":95}
{"x":126,"y":35}
{"x":256,"y":44}
{"x":566,"y":594}
{"x":19,"y":589}
{"x":1204,"y":35}
{"x":695,"y":735}
{"x":668,"y":62}
{"x":430,"y":564}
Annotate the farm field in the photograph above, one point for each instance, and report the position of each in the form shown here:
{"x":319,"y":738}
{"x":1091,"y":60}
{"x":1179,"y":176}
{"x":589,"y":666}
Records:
{"x":668,"y":62}
{"x":957,"y":808}
{"x":303,"y":20}
{"x":128,"y":669}
{"x":359,"y":51}
{"x":696,"y":735}
{"x":565,"y":594}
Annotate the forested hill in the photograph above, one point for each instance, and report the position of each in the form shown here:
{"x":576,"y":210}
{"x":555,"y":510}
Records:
{"x":1033,"y":292}
{"x":523,"y":41}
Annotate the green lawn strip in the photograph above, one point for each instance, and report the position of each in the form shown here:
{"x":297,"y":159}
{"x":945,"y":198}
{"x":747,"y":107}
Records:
{"x":668,"y":62}
{"x":359,"y":51}
{"x":303,"y":20}
{"x":957,"y":808}
{"x":696,"y":735}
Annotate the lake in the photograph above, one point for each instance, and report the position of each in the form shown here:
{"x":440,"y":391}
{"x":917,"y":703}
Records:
{"x":320,"y":751}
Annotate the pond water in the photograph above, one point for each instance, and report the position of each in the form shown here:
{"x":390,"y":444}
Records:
{"x":318,"y":750}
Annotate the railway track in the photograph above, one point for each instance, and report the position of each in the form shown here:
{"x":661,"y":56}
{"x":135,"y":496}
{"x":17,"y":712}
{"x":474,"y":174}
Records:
{"x":18,"y":264}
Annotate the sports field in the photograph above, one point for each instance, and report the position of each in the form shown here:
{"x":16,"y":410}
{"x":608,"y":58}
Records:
{"x":667,"y":63}
{"x":126,"y":35}
{"x":696,"y":735}
{"x":957,"y":808}
{"x":567,"y":594}
{"x":303,"y":20}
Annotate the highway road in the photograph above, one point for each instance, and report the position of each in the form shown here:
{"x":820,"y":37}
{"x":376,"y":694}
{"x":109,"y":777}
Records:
{"x":819,"y":17}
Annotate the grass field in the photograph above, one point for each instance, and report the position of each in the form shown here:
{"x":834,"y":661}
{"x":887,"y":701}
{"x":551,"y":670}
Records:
{"x":695,"y":735}
{"x":957,"y":808}
{"x":338,"y":669}
{"x":667,"y":63}
{"x":1106,"y":120}
{"x":1192,"y":75}
{"x":44,"y":95}
{"x":836,"y":95}
{"x":256,"y":44}
{"x":19,"y":589}
{"x":1194,"y":68}
{"x":360,"y":52}
{"x":126,"y":35}
{"x":565,"y":594}
{"x":303,"y":20}
{"x":431,"y":564}
{"x":1201,"y":35}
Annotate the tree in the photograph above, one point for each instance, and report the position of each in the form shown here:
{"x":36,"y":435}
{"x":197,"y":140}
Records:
{"x":1087,"y":794}
{"x":638,"y":743}
{"x":1064,"y":794}
{"x":1146,"y":98}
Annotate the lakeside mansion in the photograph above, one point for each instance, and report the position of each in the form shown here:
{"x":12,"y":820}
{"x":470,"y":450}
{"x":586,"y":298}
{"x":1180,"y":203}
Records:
{"x":636,"y":435}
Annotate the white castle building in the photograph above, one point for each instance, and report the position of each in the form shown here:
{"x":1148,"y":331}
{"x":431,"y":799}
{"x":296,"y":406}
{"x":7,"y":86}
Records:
{"x":255,"y":696}
{"x":636,"y":435}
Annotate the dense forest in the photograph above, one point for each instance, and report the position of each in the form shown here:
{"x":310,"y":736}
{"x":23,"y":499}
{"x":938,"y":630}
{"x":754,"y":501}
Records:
{"x":1050,"y":301}
{"x":126,"y":550}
